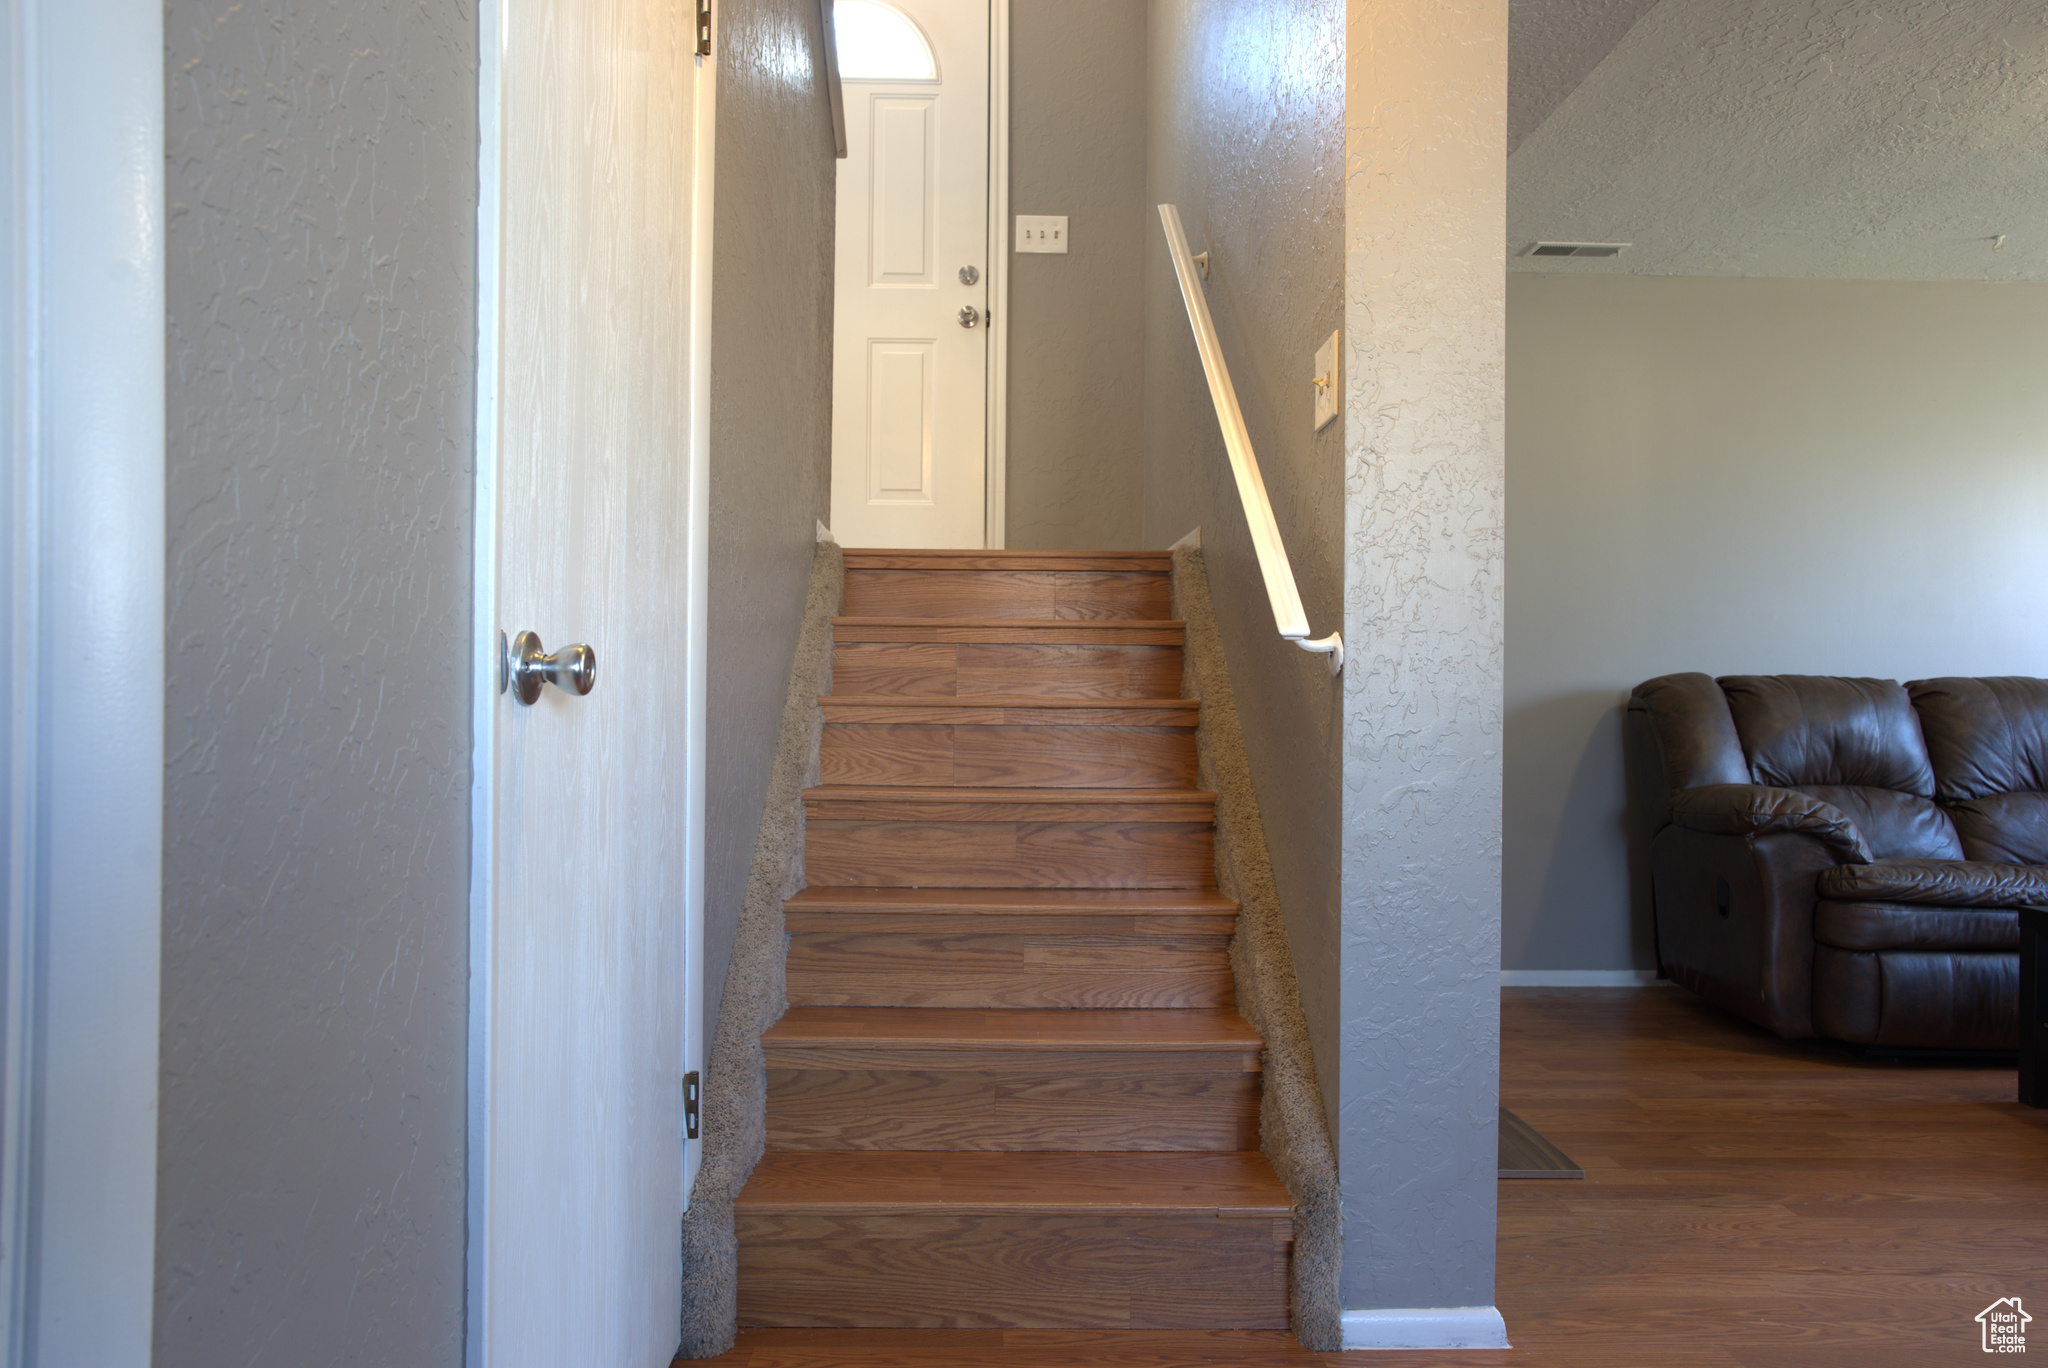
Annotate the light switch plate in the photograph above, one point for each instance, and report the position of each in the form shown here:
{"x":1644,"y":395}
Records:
{"x":1328,"y":383}
{"x":1042,"y":233}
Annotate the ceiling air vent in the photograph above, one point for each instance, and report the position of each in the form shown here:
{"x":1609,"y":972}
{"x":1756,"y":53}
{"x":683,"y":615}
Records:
{"x":1578,"y":249}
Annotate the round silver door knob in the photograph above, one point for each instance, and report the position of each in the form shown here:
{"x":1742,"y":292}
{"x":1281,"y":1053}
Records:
{"x":573,"y":669}
{"x":969,"y":316}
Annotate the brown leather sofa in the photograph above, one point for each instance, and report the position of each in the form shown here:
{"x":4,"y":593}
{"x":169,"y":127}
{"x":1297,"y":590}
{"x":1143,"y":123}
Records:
{"x":1843,"y":857}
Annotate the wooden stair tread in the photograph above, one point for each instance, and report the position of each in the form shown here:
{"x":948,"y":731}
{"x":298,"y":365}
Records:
{"x":1107,"y":902}
{"x":886,"y":559}
{"x":1082,"y":626}
{"x":1014,"y":1028}
{"x":1151,"y":633}
{"x":1071,"y":591}
{"x":1122,"y":714}
{"x":993,"y":702}
{"x":938,"y":797}
{"x":1234,"y":1185}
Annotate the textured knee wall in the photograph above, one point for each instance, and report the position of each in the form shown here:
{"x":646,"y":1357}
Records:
{"x":735,"y":1079}
{"x":1292,"y":1131}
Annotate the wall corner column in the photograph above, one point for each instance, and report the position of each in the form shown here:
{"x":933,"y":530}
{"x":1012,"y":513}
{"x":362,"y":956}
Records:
{"x":1424,"y":283}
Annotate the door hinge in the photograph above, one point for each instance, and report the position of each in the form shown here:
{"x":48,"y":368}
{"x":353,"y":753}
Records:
{"x":690,"y":1115}
{"x":703,"y":27}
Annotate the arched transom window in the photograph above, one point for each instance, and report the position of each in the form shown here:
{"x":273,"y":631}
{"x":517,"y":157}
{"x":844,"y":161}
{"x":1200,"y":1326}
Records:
{"x":878,"y":42}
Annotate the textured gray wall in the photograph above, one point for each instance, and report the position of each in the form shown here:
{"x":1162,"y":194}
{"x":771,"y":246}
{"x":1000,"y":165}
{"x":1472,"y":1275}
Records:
{"x":1736,"y":476}
{"x":771,"y":417}
{"x":1424,"y":311}
{"x":322,"y":186}
{"x":1077,"y":322}
{"x":1246,"y":135}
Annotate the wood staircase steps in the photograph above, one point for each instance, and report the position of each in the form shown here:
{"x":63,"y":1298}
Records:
{"x":980,"y":947}
{"x":884,"y":836}
{"x":1010,"y":1089}
{"x":1009,"y":742}
{"x":894,"y":1238}
{"x":923,"y":1079}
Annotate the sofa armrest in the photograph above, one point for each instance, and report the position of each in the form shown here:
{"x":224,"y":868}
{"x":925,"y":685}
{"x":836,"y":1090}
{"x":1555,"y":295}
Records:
{"x":1759,"y":810}
{"x":1735,"y":920}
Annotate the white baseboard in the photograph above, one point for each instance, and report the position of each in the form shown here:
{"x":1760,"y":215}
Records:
{"x":1581,"y":978}
{"x":1426,"y":1327}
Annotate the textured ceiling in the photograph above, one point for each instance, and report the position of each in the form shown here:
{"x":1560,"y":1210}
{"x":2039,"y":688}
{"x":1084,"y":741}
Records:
{"x":1846,"y":139}
{"x":1552,"y":46}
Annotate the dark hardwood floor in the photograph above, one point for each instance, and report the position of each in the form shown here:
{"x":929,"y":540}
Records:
{"x":1747,"y":1203}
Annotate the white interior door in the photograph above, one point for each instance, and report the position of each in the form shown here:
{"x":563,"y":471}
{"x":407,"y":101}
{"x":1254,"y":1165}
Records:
{"x":910,"y":368}
{"x":594,"y":235}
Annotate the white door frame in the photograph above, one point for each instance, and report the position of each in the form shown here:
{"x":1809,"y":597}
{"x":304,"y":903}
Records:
{"x":83,"y":562}
{"x":486,"y":709}
{"x":996,"y":519}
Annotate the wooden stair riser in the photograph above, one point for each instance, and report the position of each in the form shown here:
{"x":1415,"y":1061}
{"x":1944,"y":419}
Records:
{"x":1077,"y":595}
{"x":960,"y":1099}
{"x":905,"y":558}
{"x":1195,"y":1271}
{"x":1004,"y":962}
{"x":1070,"y":908}
{"x":927,"y":669}
{"x":885,"y":854}
{"x":929,"y":753}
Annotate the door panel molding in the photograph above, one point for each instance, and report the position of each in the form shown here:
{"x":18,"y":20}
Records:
{"x":900,"y":244}
{"x":900,"y":452}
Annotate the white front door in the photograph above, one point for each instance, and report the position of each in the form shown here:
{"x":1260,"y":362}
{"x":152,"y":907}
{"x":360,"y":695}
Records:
{"x":595,"y":164}
{"x":910,"y":358}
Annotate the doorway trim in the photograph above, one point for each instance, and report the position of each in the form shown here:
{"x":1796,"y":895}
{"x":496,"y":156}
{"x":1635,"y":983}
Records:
{"x":82,"y":537}
{"x":995,"y":518}
{"x":485,"y":709}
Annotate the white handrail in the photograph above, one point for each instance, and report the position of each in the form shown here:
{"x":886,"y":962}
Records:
{"x":1288,"y":615}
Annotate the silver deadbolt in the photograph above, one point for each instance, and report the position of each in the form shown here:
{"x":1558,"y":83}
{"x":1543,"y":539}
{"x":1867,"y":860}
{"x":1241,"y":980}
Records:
{"x":969,"y":316}
{"x":968,"y":275}
{"x":525,"y":667}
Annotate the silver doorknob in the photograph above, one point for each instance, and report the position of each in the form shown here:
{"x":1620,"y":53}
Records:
{"x":969,"y":316}
{"x":573,"y":669}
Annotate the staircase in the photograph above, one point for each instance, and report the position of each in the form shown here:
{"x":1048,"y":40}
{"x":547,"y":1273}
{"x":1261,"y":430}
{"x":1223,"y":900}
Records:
{"x":1011,"y":1088}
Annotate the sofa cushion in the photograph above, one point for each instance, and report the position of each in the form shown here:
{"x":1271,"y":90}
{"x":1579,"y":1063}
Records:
{"x":1854,"y":744}
{"x":1984,"y":736}
{"x":1947,"y":883}
{"x":1820,"y":729}
{"x":1988,"y":742}
{"x":2008,"y":827}
{"x":1696,"y":740}
{"x":1946,"y":999}
{"x":1903,"y":926}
